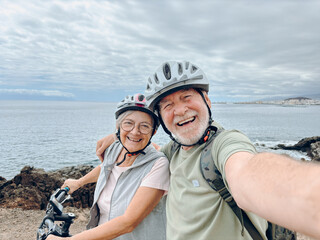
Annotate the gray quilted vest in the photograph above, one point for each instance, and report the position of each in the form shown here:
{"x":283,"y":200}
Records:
{"x":154,"y":225}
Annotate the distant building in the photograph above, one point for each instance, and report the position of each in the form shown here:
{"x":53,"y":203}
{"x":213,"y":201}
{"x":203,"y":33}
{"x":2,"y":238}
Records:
{"x":288,"y":101}
{"x":300,"y":101}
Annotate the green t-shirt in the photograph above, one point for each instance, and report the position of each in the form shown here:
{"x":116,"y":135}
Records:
{"x":194,"y":210}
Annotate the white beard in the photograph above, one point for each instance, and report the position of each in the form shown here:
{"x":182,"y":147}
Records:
{"x":192,"y":135}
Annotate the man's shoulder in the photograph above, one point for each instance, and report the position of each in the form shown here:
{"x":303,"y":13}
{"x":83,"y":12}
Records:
{"x":231,"y":135}
{"x":152,"y":150}
{"x":227,"y":143}
{"x":221,"y":135}
{"x":168,"y":149}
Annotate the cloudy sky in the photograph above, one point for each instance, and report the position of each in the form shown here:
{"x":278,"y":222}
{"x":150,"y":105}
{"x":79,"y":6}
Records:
{"x":104,"y":50}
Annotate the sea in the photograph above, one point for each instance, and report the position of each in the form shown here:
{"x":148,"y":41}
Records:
{"x":56,"y":134}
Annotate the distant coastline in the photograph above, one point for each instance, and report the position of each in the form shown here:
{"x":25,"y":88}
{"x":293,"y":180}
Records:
{"x":288,"y":101}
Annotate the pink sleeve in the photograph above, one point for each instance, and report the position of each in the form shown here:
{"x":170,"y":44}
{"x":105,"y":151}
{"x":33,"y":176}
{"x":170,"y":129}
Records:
{"x":158,"y":177}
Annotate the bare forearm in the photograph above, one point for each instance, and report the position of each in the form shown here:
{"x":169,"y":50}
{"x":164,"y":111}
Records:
{"x":141,"y":205}
{"x":109,"y":230}
{"x":91,"y":177}
{"x":74,"y":184}
{"x":281,"y":190}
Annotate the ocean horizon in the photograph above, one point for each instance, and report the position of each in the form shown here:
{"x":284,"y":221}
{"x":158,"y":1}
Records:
{"x":55,"y":134}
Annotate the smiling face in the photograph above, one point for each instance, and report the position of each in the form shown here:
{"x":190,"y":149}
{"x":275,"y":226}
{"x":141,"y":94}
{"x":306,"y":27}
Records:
{"x":185,"y":115}
{"x":134,"y":140}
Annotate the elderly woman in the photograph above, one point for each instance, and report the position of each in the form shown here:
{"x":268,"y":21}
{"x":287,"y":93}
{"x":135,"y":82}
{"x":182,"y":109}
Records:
{"x":131,"y":181}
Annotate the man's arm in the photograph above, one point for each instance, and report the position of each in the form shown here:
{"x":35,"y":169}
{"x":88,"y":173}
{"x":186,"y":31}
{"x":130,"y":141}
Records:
{"x":277,"y":188}
{"x":103,"y":144}
{"x":156,"y":146}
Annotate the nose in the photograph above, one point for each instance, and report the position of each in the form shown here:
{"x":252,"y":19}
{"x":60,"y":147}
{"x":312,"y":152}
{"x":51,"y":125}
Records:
{"x":180,"y":109}
{"x":136,"y":129}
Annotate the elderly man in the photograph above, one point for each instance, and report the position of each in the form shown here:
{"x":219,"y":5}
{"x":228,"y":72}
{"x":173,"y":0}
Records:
{"x":263,"y":185}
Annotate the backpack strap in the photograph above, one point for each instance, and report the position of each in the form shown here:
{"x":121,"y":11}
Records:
{"x":174,"y":147}
{"x":214,"y":178}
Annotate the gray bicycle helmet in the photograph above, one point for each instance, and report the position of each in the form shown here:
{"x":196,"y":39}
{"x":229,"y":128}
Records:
{"x":136,"y":102}
{"x":172,"y":76}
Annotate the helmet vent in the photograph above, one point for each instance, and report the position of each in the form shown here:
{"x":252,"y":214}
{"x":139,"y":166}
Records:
{"x":167,"y":71}
{"x":156,"y":79}
{"x":193,"y":69}
{"x":180,"y":70}
{"x":141,"y":97}
{"x":187,"y":65}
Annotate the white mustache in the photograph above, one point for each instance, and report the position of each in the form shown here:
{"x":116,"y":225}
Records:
{"x":188,"y":114}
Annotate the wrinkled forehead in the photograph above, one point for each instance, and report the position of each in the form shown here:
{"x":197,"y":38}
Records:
{"x":138,"y":116}
{"x":179,"y":92}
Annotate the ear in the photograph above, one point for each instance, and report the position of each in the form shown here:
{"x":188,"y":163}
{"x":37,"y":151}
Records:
{"x":206,"y":97}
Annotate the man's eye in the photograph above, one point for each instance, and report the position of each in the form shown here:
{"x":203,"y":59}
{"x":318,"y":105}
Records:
{"x":167,"y":106}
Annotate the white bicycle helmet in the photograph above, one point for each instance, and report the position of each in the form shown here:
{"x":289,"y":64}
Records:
{"x":172,"y":76}
{"x":136,"y":103}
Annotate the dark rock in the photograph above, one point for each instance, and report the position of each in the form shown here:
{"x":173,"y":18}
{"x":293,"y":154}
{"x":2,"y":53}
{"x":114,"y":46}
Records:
{"x":309,"y":145}
{"x":32,"y":188}
{"x":2,"y":181}
{"x":314,"y":151}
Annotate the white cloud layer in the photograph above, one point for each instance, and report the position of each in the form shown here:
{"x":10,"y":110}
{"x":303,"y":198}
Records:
{"x":46,"y":93}
{"x":248,"y":49}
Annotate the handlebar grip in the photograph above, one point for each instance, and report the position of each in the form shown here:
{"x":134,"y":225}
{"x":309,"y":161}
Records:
{"x":49,"y":223}
{"x":62,"y":194}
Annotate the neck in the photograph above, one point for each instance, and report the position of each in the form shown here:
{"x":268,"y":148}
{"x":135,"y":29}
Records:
{"x":186,"y":148}
{"x":203,"y":139}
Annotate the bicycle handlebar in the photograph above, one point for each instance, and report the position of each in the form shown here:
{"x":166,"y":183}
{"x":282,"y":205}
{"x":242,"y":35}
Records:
{"x":61,"y":196}
{"x":54,"y":213}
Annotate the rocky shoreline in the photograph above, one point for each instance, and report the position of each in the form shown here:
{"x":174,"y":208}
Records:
{"x":309,"y":145}
{"x":32,"y":188}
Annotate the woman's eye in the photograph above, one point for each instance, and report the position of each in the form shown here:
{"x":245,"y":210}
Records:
{"x":146,"y":126}
{"x":128,"y":123}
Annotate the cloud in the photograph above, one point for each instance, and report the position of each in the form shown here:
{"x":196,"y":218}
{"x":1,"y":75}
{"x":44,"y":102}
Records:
{"x":34,"y":92}
{"x":253,"y":47}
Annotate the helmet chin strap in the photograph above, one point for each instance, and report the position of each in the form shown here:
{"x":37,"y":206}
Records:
{"x":128,"y":152}
{"x":205,"y":135}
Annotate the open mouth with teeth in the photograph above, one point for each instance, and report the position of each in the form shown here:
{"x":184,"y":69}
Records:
{"x":134,"y":140}
{"x":185,"y":122}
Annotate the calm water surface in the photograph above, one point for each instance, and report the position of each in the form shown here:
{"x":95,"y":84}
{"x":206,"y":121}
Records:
{"x":52,"y":135}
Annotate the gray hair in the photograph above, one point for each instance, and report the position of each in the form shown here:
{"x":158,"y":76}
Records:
{"x":127,"y":113}
{"x":121,"y":117}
